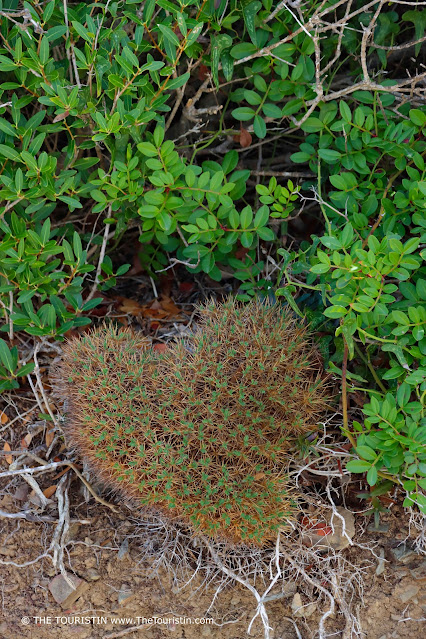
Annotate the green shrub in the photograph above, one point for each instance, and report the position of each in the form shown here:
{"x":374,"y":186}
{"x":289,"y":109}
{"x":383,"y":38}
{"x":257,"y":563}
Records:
{"x":204,"y":432}
{"x":87,"y":152}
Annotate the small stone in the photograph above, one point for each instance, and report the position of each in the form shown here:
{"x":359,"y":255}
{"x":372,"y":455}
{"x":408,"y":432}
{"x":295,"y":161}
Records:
{"x":73,"y":531}
{"x":301,"y":610}
{"x":63,"y":592}
{"x":21,"y":492}
{"x":403,"y":554}
{"x":383,"y":528}
{"x":409,"y":593}
{"x":124,"y":549}
{"x":406,"y":591}
{"x":297,"y":605}
{"x":124,"y":593}
{"x":336,"y":540}
{"x":290,"y":588}
{"x":309,"y":609}
{"x":92,"y":574}
{"x":381,"y":563}
{"x":419,"y":573}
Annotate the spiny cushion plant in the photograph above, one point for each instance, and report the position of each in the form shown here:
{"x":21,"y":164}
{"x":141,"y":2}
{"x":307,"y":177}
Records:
{"x":202,"y":432}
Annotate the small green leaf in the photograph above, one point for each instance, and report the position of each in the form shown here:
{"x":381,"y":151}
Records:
{"x":259,"y":126}
{"x":148,"y":149}
{"x":6,"y":356}
{"x":243,"y":113}
{"x":168,"y":34}
{"x":358,"y":466}
{"x":250,"y":9}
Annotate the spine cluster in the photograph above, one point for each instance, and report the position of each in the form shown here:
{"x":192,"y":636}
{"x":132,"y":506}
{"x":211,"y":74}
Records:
{"x":205,"y":431}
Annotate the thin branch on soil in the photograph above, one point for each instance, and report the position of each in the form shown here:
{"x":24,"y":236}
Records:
{"x":53,"y":466}
{"x":101,"y":259}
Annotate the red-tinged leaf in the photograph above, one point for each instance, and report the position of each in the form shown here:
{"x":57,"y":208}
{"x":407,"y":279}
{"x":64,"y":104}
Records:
{"x":322,"y":532}
{"x":160,"y":348}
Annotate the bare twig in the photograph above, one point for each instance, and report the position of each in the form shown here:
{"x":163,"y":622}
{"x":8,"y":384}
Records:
{"x":70,"y":51}
{"x":101,"y":259}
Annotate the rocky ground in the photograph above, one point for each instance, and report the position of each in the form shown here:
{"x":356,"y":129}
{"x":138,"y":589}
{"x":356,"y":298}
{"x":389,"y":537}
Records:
{"x":117,"y":592}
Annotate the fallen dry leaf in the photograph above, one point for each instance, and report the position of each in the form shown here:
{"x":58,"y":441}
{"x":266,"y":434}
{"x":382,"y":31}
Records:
{"x":48,"y":492}
{"x":59,"y":475}
{"x":3,"y":418}
{"x":132,"y":307}
{"x":50,"y":436}
{"x":8,"y":458}
{"x":245,"y":138}
{"x":164,"y":308}
{"x":26,"y":441}
{"x":170,"y":307}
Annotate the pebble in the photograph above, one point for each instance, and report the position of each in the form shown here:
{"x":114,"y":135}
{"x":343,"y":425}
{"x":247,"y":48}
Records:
{"x":73,"y":531}
{"x":124,"y":550}
{"x":300,"y":610}
{"x":381,"y":563}
{"x":419,"y":573}
{"x":409,"y":593}
{"x":296,"y":605}
{"x":65,"y":594}
{"x":124,"y":593}
{"x":406,"y":591}
{"x":336,"y":540}
{"x":92,"y":574}
{"x":403,"y":554}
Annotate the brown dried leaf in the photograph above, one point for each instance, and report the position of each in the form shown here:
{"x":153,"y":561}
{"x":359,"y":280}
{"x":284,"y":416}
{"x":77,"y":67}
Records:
{"x":8,"y":458}
{"x":26,"y":441}
{"x":61,"y":116}
{"x":3,"y":418}
{"x":50,"y":436}
{"x":48,"y":492}
{"x":132,"y":307}
{"x":245,"y":138}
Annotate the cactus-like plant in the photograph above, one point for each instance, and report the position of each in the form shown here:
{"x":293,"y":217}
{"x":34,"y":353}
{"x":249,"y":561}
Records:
{"x":204,"y":431}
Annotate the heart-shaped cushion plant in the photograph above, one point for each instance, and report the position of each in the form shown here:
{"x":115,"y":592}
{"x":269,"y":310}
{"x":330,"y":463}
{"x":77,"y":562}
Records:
{"x":205,"y":431}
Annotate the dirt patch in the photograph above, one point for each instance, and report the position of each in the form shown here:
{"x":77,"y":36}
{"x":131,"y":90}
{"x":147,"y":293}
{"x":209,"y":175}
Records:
{"x":124,"y":590}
